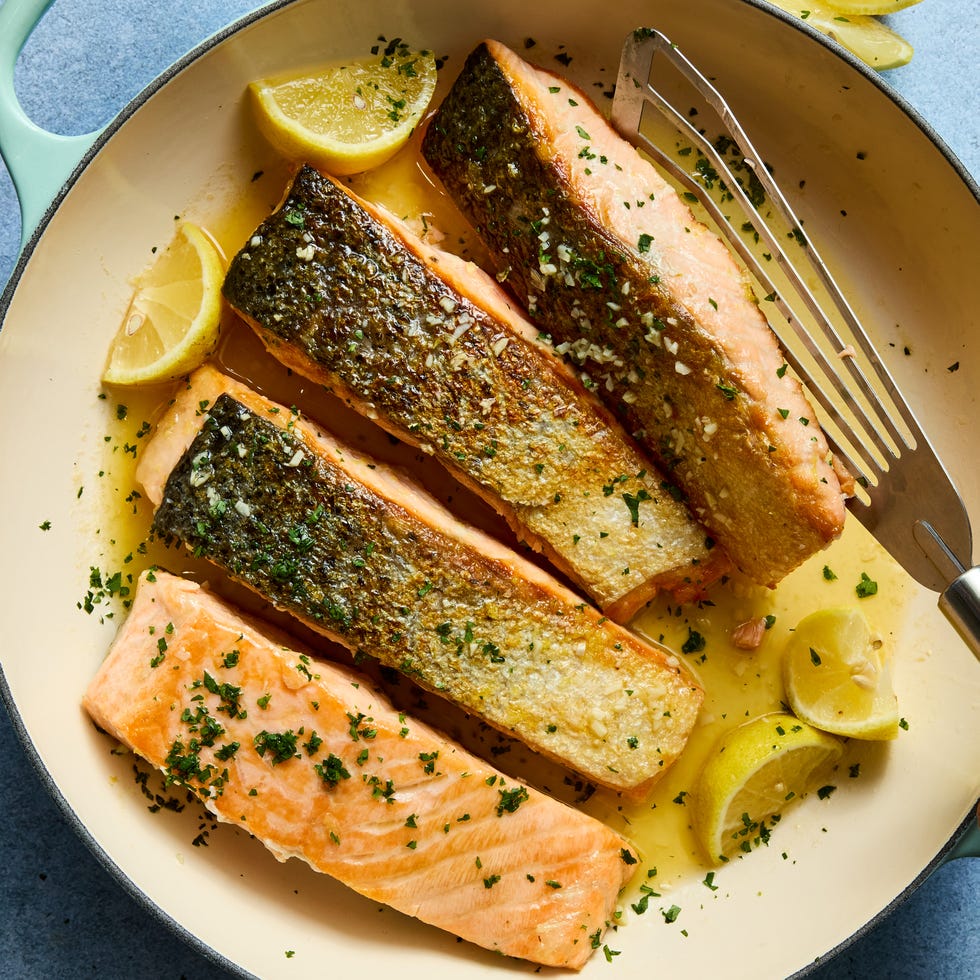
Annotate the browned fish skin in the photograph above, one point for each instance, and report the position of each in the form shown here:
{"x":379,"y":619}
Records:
{"x":759,"y":481}
{"x":352,"y":550}
{"x":340,"y":293}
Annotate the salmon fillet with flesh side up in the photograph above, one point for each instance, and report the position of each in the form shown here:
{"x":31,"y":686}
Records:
{"x":612,"y":263}
{"x":431,"y":348}
{"x":361,"y":554}
{"x":316,"y":764}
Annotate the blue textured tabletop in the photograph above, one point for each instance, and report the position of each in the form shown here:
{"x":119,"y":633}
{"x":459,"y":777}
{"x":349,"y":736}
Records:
{"x":61,"y":914}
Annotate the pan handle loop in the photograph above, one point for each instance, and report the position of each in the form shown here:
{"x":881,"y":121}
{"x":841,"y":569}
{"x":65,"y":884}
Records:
{"x":969,"y":844}
{"x":39,"y":162}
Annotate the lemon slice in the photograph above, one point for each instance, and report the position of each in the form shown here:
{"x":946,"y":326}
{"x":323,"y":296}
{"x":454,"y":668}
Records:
{"x":874,"y":43}
{"x":871,"y":8}
{"x":838,"y":678}
{"x":174,"y":318}
{"x":754,"y":772}
{"x":350,"y":117}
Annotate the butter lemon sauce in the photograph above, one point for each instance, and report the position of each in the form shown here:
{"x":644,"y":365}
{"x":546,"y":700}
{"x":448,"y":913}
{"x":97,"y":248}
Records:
{"x":738,"y":684}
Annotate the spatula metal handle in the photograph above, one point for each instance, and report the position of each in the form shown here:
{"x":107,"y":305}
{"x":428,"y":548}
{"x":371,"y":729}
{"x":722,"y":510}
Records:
{"x":961,"y":605}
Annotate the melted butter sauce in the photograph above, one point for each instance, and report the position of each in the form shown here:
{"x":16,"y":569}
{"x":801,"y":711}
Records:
{"x":738,"y":684}
{"x":742,"y":684}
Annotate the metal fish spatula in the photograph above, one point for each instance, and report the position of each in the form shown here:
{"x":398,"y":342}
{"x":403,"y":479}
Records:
{"x":903,"y":494}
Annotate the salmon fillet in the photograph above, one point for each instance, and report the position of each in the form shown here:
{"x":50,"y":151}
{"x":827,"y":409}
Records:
{"x":317,"y":765}
{"x":431,"y":348}
{"x":646,"y":299}
{"x":364,"y":556}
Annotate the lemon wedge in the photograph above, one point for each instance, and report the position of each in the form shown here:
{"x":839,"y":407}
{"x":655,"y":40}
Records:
{"x":870,"y":8}
{"x":838,"y":678}
{"x":347,"y":118}
{"x":754,"y":772}
{"x":174,"y":318}
{"x":874,"y":43}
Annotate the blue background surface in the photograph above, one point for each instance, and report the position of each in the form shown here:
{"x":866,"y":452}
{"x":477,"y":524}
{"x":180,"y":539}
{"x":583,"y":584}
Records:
{"x":61,"y":914}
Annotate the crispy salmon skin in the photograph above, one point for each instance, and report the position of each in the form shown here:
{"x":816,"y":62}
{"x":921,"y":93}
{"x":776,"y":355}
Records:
{"x":364,"y":556}
{"x":316,"y":764}
{"x":648,"y":301}
{"x":431,"y":347}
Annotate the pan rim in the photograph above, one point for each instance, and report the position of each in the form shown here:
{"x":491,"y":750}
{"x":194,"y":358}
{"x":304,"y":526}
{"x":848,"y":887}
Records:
{"x":118,"y":874}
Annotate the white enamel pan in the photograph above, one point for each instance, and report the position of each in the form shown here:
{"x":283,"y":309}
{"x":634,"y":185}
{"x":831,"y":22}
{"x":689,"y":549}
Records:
{"x":895,"y":216}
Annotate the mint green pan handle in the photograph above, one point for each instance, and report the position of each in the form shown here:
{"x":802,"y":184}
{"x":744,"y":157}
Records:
{"x":39,"y":162}
{"x":969,"y":844}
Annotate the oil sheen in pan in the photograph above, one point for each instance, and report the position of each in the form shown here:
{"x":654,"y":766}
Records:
{"x":738,"y":684}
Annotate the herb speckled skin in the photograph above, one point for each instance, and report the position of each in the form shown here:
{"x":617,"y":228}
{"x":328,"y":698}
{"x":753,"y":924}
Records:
{"x":255,"y":494}
{"x":343,"y":298}
{"x":606,"y":293}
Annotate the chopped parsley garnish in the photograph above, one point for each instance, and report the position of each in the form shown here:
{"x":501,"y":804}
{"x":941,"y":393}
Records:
{"x":633,"y":504}
{"x":332,"y":770}
{"x":313,"y":745}
{"x":511,"y":799}
{"x":229,"y":695}
{"x":358,"y":733}
{"x":227,"y":751}
{"x":646,"y":893}
{"x":694,"y":643}
{"x":282,"y":745}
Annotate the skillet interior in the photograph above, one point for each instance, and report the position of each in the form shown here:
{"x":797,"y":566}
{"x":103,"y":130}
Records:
{"x":130,"y":173}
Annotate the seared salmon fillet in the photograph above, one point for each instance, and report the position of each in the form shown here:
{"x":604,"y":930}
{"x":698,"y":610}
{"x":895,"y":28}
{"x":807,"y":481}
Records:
{"x":366,"y":557}
{"x":431,"y":347}
{"x":315,"y":763}
{"x":646,"y":299}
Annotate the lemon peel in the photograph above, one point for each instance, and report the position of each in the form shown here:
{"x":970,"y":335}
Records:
{"x":866,"y":37}
{"x":753,"y":773}
{"x":173,"y":320}
{"x":347,"y":118}
{"x":838,"y":676}
{"x":870,"y":8}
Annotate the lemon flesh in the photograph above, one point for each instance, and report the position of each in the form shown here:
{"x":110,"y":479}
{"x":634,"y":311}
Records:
{"x":874,"y":43}
{"x":753,"y":773}
{"x":174,"y":318}
{"x":347,"y":118}
{"x":870,"y":8}
{"x":838,"y":677}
